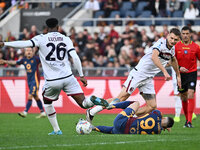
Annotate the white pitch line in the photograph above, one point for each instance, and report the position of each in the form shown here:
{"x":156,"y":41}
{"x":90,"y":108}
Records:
{"x":89,"y":144}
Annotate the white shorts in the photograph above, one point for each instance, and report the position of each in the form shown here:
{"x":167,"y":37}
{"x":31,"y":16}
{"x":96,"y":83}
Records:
{"x":52,"y":89}
{"x":136,"y":80}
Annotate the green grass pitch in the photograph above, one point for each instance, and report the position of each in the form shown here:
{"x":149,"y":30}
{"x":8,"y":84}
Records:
{"x":18,"y":133}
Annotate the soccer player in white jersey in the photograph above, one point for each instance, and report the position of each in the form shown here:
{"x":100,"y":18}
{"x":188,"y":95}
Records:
{"x":141,"y":76}
{"x":53,"y":51}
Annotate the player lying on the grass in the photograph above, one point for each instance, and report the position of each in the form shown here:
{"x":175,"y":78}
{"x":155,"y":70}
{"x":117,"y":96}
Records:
{"x":125,"y":123}
{"x":31,"y":64}
{"x":141,"y":77}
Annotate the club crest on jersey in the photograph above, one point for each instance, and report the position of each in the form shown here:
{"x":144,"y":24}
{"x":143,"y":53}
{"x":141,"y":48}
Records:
{"x":185,"y":51}
{"x":192,"y":84}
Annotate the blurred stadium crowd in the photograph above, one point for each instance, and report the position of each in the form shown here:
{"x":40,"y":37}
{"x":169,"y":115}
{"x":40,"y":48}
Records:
{"x":5,"y":4}
{"x":106,"y":48}
{"x":189,"y":9}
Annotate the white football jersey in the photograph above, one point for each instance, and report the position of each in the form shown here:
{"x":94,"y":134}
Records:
{"x":53,"y":51}
{"x":147,"y":67}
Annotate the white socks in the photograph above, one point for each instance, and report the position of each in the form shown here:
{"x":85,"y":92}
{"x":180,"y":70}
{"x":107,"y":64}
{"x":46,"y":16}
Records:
{"x":87,"y":103}
{"x":178,"y":106}
{"x":95,"y":110}
{"x":51,"y":114}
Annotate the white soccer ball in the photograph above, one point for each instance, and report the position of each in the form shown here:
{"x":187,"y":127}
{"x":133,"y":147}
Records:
{"x":83,"y":127}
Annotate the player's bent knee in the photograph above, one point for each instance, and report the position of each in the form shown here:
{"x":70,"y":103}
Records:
{"x":79,"y":99}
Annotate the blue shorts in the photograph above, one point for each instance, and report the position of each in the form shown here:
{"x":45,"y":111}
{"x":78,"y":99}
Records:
{"x":120,"y":121}
{"x":33,"y":88}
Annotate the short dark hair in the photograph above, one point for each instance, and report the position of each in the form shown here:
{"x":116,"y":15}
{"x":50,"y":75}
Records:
{"x":186,"y":28}
{"x":51,"y":22}
{"x":175,"y":31}
{"x":170,"y":122}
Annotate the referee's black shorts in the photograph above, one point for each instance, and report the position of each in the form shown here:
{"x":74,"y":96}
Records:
{"x":188,"y":81}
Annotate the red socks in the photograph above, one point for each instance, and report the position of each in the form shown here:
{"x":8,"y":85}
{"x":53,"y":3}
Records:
{"x":185,"y":109}
{"x":188,"y":108}
{"x":191,"y":105}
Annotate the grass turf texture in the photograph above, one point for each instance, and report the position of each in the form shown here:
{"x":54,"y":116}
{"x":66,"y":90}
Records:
{"x":31,"y":134}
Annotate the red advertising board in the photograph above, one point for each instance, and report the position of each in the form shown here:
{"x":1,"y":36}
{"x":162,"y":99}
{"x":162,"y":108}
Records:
{"x":14,"y":92}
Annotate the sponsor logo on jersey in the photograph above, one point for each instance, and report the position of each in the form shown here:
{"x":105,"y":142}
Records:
{"x":166,"y":56}
{"x":186,"y":48}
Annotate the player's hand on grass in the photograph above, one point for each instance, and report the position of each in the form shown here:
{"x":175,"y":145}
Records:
{"x":183,"y":69}
{"x":1,"y":44}
{"x":84,"y":81}
{"x":168,"y":129}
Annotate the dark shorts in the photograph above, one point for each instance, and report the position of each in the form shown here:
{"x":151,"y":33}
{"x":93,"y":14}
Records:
{"x":33,"y":89}
{"x":188,"y":81}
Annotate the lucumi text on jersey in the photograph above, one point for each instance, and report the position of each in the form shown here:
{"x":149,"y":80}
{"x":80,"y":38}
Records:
{"x":54,"y":39}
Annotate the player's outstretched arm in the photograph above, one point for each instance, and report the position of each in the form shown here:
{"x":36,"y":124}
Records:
{"x":17,"y":44}
{"x":78,"y":66}
{"x":157,"y":62}
{"x":103,"y":129}
{"x":10,"y":62}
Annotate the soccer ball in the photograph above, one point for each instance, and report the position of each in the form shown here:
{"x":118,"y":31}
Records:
{"x":83,"y":127}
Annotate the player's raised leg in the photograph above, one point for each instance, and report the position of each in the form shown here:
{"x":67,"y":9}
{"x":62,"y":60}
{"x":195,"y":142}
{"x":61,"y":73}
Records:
{"x":123,"y":95}
{"x":90,"y":113}
{"x":89,"y":101}
{"x":74,"y":90}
